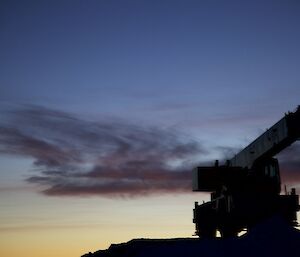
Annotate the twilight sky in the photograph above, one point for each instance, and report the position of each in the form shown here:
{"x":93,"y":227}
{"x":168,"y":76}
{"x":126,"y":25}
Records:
{"x":105,"y":106}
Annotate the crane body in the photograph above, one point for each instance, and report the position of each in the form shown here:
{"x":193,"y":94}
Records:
{"x":246,"y":190}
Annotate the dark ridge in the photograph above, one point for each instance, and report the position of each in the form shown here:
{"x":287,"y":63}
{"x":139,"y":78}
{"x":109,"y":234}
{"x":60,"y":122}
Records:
{"x":273,"y":238}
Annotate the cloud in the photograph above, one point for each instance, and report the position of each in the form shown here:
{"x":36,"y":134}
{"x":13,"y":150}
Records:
{"x":110,"y":158}
{"x":77,"y":157}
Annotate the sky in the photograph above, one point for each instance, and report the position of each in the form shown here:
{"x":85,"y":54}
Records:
{"x":106,"y":106}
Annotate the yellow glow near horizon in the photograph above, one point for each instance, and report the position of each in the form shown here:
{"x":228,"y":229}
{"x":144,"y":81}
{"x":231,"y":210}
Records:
{"x":33,"y":225}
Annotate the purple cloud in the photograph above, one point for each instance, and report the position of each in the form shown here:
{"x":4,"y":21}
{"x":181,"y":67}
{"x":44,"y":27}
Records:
{"x":109,"y":158}
{"x":76,"y":157}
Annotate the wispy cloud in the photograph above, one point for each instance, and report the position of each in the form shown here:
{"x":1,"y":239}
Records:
{"x":110,"y":158}
{"x":75,"y":157}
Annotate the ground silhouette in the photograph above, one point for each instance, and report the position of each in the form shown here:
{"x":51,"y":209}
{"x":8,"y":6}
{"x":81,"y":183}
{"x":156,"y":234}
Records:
{"x":274,"y":238}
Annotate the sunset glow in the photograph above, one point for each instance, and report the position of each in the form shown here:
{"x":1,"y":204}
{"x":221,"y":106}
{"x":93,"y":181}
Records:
{"x":106,"y":106}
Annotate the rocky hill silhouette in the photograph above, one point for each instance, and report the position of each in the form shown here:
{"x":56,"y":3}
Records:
{"x":273,"y":238}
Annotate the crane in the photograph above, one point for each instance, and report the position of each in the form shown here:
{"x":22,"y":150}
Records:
{"x":246,"y":189}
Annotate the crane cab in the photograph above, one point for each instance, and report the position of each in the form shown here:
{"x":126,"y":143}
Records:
{"x":267,"y":176}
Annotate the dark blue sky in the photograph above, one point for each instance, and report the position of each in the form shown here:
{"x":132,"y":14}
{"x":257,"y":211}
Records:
{"x":134,"y":56}
{"x":219,"y":71}
{"x":203,"y":67}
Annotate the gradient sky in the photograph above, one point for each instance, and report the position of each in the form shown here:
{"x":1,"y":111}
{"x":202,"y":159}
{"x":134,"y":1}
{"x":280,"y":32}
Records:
{"x":79,"y":80}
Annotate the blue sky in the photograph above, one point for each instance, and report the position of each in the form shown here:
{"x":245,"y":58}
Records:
{"x":174,"y":63}
{"x":102,"y":56}
{"x":211,"y":74}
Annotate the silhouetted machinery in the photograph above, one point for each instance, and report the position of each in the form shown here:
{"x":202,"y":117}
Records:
{"x":246,"y":190}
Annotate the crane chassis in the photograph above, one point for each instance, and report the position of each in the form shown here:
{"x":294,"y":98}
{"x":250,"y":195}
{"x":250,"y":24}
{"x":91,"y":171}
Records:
{"x":246,"y":189}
